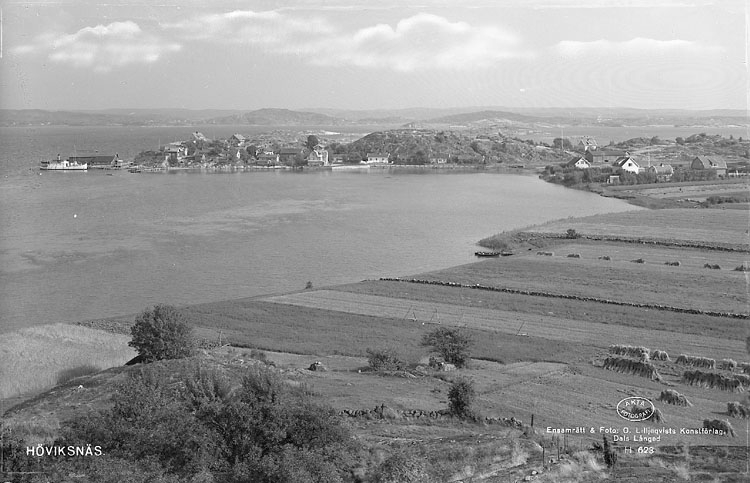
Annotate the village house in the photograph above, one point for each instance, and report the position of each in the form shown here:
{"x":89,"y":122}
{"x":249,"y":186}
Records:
{"x":579,"y":162}
{"x":267,"y":159}
{"x":318,"y":156}
{"x":587,"y":144}
{"x":710,"y":162}
{"x":439,"y":158}
{"x":290,"y":156}
{"x":663,"y":172}
{"x":601,"y":156}
{"x":377,"y":158}
{"x":237,"y":140}
{"x":628,"y":164}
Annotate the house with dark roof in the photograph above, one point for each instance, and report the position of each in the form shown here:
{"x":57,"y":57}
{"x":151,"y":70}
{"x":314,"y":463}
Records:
{"x":710,"y":162}
{"x":587,"y":144}
{"x":318,"y":157}
{"x":290,"y":156}
{"x":237,"y":140}
{"x":601,"y":156}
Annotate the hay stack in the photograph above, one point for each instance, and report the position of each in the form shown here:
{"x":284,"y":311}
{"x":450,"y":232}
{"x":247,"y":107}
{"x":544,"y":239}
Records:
{"x":738,"y":410}
{"x":658,"y":355}
{"x":657,"y":416}
{"x":695,"y":361}
{"x":728,"y":364}
{"x":670,"y":396}
{"x":629,"y":366}
{"x":628,"y":350}
{"x":719,"y":425}
{"x":711,"y":380}
{"x":744,"y":379}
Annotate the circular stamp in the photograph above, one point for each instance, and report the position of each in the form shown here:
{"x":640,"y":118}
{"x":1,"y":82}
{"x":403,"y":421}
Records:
{"x":635,"y":408}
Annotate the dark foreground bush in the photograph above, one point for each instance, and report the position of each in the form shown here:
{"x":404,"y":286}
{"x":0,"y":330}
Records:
{"x":168,"y":427}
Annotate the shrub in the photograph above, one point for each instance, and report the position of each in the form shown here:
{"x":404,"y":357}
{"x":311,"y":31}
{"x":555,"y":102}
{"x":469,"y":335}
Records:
{"x":162,"y":333}
{"x":385,"y":360}
{"x":461,"y":398}
{"x":451,"y":343}
{"x":401,"y":468}
{"x":571,"y":233}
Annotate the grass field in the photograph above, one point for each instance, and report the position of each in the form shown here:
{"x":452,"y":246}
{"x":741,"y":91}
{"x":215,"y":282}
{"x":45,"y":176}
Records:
{"x":721,"y":226}
{"x":40,"y":357}
{"x":617,"y":279}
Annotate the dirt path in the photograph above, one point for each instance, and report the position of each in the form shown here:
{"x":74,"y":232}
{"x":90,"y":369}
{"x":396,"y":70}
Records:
{"x":548,"y":327}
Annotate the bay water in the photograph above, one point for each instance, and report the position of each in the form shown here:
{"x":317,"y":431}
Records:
{"x":85,"y":245}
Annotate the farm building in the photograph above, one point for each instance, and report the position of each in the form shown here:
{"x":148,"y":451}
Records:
{"x":663,"y":172}
{"x":626,"y":163}
{"x":710,"y":162}
{"x":579,"y":162}
{"x":600,"y":156}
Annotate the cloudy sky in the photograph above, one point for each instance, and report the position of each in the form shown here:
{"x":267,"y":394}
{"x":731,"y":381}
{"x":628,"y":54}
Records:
{"x":361,"y":54}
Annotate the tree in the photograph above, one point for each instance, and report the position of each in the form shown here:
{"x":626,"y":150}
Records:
{"x":162,"y":333}
{"x":461,"y":397}
{"x":312,"y":141}
{"x":451,"y":343}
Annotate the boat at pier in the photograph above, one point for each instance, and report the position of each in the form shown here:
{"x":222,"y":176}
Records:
{"x":63,"y":165}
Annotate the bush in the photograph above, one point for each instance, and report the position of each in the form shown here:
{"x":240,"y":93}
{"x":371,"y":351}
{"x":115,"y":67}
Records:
{"x":452,"y":344}
{"x":401,"y":468}
{"x":385,"y":360}
{"x":162,"y":333}
{"x":461,"y":398}
{"x":571,"y":233}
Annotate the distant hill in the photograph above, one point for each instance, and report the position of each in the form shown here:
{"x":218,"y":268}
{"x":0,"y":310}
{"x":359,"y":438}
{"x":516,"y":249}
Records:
{"x":473,"y":117}
{"x":279,"y":117}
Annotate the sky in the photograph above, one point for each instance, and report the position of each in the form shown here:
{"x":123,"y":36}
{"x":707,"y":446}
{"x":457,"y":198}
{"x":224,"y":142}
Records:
{"x":362,"y":54}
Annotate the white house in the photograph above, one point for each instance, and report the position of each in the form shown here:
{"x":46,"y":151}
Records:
{"x":579,"y":162}
{"x":377,"y":158}
{"x":626,"y":163}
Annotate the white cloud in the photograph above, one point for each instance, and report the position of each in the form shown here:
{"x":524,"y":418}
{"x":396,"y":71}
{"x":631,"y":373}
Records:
{"x":417,"y":42}
{"x":102,"y":48}
{"x":636,"y":46}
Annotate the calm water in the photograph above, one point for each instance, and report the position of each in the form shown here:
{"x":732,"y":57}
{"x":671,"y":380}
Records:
{"x":85,"y":245}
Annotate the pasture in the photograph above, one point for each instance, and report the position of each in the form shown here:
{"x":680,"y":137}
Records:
{"x":40,"y":357}
{"x":711,"y":226}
